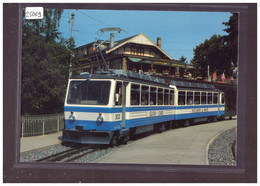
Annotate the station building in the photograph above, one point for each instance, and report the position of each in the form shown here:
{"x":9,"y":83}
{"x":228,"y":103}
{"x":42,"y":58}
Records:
{"x":137,"y":53}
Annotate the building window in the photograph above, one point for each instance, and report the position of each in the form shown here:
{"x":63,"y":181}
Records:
{"x":85,"y":51}
{"x":137,"y":51}
{"x":142,"y":51}
{"x":132,"y":50}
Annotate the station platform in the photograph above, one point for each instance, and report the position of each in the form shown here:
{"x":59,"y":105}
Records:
{"x":37,"y":142}
{"x":186,"y":146}
{"x":181,"y":146}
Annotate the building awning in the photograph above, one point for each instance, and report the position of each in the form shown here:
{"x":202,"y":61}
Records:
{"x":135,"y":60}
{"x":162,"y":62}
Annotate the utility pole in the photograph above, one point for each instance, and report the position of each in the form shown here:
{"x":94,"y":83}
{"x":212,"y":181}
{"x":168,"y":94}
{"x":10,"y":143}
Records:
{"x":72,"y":23}
{"x":71,"y":39}
{"x":208,"y":73}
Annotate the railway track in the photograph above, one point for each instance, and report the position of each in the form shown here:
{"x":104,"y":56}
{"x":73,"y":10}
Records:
{"x":69,"y":155}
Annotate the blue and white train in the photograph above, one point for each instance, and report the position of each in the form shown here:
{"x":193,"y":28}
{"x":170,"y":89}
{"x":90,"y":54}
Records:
{"x":107,"y":107}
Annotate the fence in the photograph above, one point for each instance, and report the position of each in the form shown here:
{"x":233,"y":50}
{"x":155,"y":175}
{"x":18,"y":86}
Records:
{"x":42,"y":124}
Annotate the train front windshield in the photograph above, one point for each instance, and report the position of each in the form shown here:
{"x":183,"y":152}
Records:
{"x":89,"y":92}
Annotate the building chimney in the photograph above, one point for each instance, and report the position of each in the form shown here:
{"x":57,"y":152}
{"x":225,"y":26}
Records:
{"x":111,"y":45}
{"x":159,"y":41}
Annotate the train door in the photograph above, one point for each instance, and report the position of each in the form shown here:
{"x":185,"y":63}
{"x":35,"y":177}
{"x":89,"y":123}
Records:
{"x":120,"y":100}
{"x":124,"y":104}
{"x":218,"y":102}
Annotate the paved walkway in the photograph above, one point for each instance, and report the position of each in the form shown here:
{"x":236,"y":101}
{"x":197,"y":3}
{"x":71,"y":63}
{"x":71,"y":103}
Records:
{"x":36,"y":142}
{"x":178,"y":146}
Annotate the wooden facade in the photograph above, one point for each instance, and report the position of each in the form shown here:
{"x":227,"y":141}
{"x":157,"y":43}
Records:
{"x":137,"y":53}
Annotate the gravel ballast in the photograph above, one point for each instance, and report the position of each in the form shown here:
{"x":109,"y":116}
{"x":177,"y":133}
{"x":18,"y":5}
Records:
{"x":32,"y":156}
{"x":220,"y":151}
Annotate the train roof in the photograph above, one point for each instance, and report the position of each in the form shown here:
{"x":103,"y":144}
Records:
{"x":145,"y":78}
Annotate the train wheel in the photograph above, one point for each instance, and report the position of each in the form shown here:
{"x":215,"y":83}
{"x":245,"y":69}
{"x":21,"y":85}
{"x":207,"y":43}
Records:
{"x":167,"y":126}
{"x":172,"y":125}
{"x":125,"y":139}
{"x":215,"y":119}
{"x":159,"y":128}
{"x":209,"y":120}
{"x":162,"y":128}
{"x":186,"y":123}
{"x":114,"y":141}
{"x":220,"y":118}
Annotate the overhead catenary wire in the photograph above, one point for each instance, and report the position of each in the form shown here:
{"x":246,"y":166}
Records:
{"x":116,"y":33}
{"x":93,"y":18}
{"x":97,"y":20}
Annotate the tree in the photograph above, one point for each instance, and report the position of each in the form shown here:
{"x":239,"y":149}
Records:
{"x":183,"y":60}
{"x":219,"y":52}
{"x":45,"y":62}
{"x":211,"y":53}
{"x":232,"y":38}
{"x":47,"y":27}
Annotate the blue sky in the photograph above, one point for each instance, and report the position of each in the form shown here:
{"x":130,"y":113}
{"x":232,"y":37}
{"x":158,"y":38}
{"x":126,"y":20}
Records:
{"x":180,"y":32}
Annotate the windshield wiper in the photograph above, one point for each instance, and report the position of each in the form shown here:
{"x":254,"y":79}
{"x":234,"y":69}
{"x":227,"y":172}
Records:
{"x":87,"y":79}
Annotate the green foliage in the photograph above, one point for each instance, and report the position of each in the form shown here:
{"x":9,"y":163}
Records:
{"x":183,"y":60}
{"x":219,"y":52}
{"x":232,"y":38}
{"x":45,"y":65}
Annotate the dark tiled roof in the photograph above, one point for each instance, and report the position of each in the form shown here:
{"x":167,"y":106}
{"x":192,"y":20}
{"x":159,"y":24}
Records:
{"x":123,"y":40}
{"x":107,"y":42}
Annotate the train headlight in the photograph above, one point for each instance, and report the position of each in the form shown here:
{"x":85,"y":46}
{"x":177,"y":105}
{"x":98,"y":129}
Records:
{"x":72,"y":117}
{"x":100,"y":119}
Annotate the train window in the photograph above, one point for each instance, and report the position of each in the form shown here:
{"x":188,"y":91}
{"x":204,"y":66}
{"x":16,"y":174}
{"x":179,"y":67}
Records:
{"x":197,"y":98}
{"x":223,"y":98}
{"x":203,"y":98}
{"x":160,"y":96}
{"x":181,"y":98}
{"x":89,"y":92}
{"x":215,"y":98}
{"x":209,"y":98}
{"x":135,"y":94}
{"x":153,"y":91}
{"x":166,"y":96}
{"x":172,"y":97}
{"x":118,"y":94}
{"x":144,"y":95}
{"x":189,"y":98}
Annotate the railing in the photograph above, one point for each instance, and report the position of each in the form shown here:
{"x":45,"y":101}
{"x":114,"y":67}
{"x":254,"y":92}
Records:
{"x":41,"y":124}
